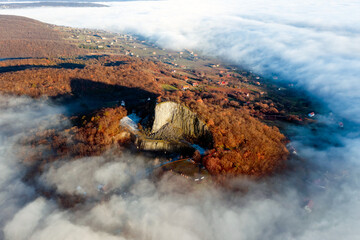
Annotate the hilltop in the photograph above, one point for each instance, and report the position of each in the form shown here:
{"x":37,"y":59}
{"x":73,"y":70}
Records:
{"x":22,"y":37}
{"x":240,"y":143}
{"x":123,"y":75}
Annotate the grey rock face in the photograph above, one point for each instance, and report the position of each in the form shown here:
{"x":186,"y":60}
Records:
{"x":147,"y":144}
{"x":175,"y":122}
{"x":175,"y":129}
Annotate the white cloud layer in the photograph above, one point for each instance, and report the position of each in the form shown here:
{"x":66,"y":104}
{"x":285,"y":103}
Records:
{"x":127,"y":205}
{"x":313,"y":43}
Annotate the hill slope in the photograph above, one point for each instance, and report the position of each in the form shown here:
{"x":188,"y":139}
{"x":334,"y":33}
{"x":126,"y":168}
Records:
{"x":22,"y":37}
{"x":241,"y":144}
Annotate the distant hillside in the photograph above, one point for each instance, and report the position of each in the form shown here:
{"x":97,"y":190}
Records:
{"x":49,"y":4}
{"x":23,"y":37}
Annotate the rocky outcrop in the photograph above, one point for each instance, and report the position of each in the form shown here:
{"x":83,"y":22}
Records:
{"x":175,"y":129}
{"x":176,"y":122}
{"x":147,"y":144}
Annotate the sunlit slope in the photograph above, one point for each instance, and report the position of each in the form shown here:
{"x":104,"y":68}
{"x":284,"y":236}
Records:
{"x":22,"y":37}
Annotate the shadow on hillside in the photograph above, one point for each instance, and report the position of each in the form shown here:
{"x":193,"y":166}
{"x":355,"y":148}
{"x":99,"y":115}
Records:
{"x":87,"y":96}
{"x":89,"y":57}
{"x":115,"y":64}
{"x":24,"y":67}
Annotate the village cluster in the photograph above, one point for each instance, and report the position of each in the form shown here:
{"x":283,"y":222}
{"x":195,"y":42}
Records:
{"x":183,"y":62}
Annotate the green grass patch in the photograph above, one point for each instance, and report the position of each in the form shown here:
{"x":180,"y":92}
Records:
{"x":168,"y":87}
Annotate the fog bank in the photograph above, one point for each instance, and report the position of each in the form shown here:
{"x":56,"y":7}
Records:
{"x":120,"y":202}
{"x":311,"y":43}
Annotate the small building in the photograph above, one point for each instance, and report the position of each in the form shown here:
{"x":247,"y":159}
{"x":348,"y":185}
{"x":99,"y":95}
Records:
{"x":312,"y":114}
{"x":223,"y":83}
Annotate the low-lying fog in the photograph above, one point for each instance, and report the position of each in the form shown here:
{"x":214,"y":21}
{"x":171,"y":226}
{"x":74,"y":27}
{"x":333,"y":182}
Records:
{"x":311,"y":43}
{"x":136,"y":207}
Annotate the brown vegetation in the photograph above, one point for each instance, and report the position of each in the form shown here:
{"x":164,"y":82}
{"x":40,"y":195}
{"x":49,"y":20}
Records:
{"x":22,"y":37}
{"x":89,"y":135}
{"x":53,"y":81}
{"x":241,"y":144}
